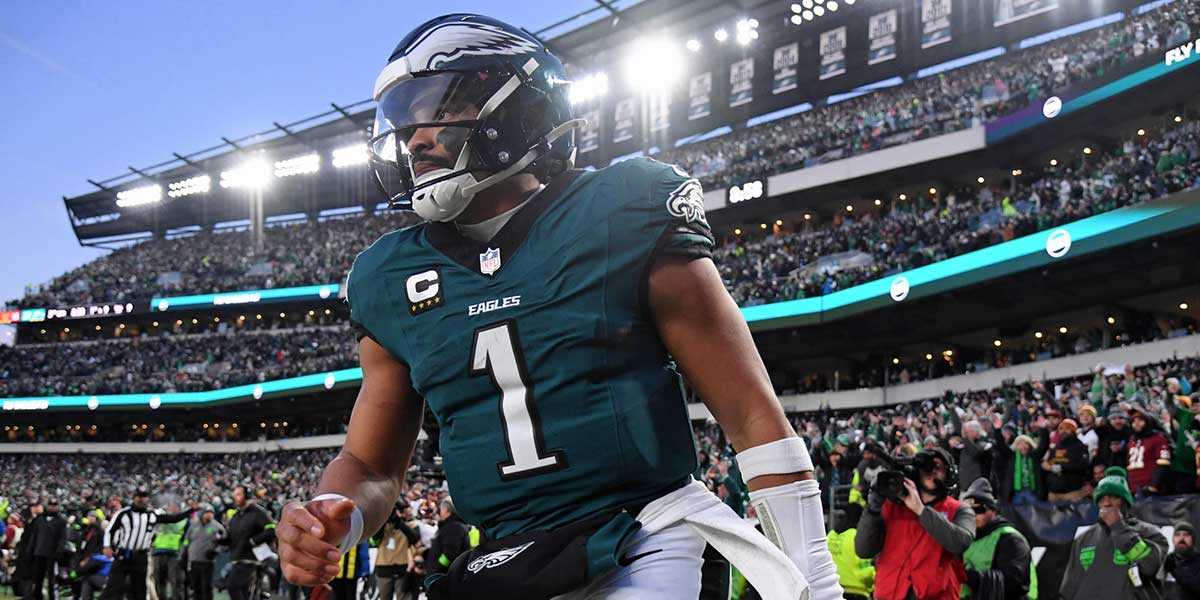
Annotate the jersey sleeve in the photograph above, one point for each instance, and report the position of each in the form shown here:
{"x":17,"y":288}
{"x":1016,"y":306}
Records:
{"x":677,"y":206}
{"x":661,"y":210}
{"x":372,"y":303}
{"x":358,"y":305}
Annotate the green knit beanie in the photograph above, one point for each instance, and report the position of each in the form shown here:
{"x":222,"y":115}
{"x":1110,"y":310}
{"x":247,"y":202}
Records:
{"x":1113,"y":484}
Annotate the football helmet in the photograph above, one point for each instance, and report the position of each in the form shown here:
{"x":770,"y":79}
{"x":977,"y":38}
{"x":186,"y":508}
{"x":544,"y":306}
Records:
{"x":464,"y":103}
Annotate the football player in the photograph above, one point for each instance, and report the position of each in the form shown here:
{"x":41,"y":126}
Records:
{"x":546,"y":316}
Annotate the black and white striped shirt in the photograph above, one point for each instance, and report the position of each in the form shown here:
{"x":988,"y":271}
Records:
{"x":133,"y":530}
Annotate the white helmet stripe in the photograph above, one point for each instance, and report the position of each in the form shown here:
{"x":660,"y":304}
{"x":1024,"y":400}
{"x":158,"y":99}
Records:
{"x":396,"y":71}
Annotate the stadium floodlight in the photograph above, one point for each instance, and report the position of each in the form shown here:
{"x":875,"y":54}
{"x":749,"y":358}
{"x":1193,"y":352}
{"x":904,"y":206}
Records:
{"x":747,"y":30}
{"x":1183,"y":306}
{"x":653,"y":66}
{"x":1178,"y":118}
{"x":693,"y":45}
{"x":721,"y":35}
{"x":808,"y":4}
{"x":980,"y":179}
{"x":349,"y":156}
{"x":300,"y":165}
{"x":796,"y":8}
{"x":797,"y":19}
{"x":808,"y":15}
{"x":254,"y":173}
{"x":146,"y":194}
{"x":199,"y":184}
{"x":819,"y":11}
{"x":849,"y":2}
{"x":832,"y":6}
{"x":586,"y":89}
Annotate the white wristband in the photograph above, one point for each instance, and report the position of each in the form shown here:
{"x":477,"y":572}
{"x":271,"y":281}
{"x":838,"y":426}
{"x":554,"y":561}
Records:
{"x":781,"y":457}
{"x":356,"y":524}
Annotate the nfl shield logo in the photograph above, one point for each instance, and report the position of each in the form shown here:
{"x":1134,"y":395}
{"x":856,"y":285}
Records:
{"x":489,"y":262}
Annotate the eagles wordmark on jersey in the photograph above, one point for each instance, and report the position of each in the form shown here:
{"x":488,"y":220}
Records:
{"x":536,"y":352}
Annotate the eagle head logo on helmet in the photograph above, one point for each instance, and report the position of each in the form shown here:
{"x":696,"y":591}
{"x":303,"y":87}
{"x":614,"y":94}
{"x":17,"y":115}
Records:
{"x":495,"y":76}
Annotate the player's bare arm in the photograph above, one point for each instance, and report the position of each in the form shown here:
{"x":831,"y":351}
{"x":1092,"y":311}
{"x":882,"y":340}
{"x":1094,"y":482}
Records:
{"x":369,"y":471}
{"x":705,"y":332}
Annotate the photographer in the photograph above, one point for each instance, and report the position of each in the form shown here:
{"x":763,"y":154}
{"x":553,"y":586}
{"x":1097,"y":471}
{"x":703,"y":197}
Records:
{"x":917,"y":529}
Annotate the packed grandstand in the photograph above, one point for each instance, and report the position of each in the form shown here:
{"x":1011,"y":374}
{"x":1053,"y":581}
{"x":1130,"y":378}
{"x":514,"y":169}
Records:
{"x":1105,"y":373}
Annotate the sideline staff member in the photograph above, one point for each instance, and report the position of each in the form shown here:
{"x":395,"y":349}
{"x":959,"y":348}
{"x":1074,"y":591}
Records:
{"x":249,"y":527}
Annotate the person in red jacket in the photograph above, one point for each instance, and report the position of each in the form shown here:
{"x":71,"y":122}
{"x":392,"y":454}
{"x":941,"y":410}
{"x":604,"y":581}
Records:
{"x":1149,"y":455}
{"x":919,"y":538}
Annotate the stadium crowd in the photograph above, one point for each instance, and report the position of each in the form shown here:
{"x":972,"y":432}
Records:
{"x":906,"y":234}
{"x":932,"y":106}
{"x":322,"y":252}
{"x":306,"y":253}
{"x":173,"y":363}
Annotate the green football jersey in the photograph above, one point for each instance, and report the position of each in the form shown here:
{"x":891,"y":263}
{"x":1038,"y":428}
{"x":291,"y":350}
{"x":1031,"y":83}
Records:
{"x":536,"y":353}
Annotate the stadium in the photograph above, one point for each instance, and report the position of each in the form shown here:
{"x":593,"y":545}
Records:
{"x":958,"y":232}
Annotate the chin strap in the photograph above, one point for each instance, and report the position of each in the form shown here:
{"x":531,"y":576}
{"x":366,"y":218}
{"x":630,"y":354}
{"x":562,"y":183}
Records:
{"x":524,"y":161}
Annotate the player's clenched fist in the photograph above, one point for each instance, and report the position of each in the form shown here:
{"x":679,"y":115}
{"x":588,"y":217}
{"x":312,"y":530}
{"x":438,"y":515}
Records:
{"x":309,"y":535}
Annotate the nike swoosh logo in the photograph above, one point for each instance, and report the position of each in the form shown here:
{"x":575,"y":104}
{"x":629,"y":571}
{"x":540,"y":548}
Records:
{"x":627,"y":560}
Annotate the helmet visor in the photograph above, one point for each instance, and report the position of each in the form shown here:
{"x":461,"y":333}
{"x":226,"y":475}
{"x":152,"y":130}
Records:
{"x":421,"y":130}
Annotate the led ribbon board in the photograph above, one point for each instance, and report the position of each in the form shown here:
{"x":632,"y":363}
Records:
{"x":1085,"y":236}
{"x":1173,"y":60}
{"x":255,"y":391}
{"x":306,"y":292}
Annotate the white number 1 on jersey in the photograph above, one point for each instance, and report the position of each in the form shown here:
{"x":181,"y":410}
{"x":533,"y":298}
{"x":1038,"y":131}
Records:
{"x":495,"y":353}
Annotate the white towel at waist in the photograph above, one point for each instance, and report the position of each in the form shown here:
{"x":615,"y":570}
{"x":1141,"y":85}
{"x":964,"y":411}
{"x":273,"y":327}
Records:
{"x":767,"y":568}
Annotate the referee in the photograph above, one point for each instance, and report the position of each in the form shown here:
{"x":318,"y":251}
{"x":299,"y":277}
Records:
{"x":127,"y":542}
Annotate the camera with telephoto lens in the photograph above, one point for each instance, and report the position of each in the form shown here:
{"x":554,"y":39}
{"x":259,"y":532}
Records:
{"x":890,"y":481}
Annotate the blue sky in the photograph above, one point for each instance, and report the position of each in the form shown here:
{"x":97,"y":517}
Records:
{"x":90,"y":88}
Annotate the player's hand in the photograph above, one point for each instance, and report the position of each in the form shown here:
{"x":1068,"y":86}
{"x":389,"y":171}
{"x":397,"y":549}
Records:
{"x":307,"y":536}
{"x":913,"y":498}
